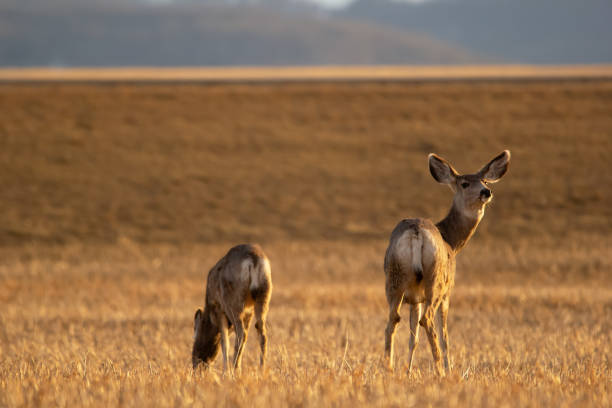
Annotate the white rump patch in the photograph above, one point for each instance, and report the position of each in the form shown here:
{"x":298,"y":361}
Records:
{"x":409,"y":246}
{"x":403,"y":249}
{"x":417,"y":248}
{"x":259,"y":274}
{"x":430,"y":248}
{"x":256,"y":275}
{"x":246,"y":269}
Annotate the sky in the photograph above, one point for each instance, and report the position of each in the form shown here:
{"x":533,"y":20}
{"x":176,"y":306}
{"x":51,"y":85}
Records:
{"x":341,"y":3}
{"x":331,"y":4}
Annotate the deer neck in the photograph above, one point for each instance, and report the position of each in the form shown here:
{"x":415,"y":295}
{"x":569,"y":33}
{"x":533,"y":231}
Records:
{"x":459,"y":225}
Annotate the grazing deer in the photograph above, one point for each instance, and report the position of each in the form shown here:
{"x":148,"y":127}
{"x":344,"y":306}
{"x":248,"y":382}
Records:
{"x":420,"y":258}
{"x":239,"y":285}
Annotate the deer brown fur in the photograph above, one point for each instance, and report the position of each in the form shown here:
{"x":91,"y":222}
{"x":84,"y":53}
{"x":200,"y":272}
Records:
{"x":238,"y":287}
{"x":420,"y":259}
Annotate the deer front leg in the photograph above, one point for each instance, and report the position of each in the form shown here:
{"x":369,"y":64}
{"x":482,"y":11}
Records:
{"x":443,"y":326}
{"x":427,"y":321}
{"x":394,"y":297}
{"x":415,"y":316}
{"x":224,"y":340}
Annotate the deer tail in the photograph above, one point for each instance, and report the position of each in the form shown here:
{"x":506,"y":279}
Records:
{"x":416,"y":246}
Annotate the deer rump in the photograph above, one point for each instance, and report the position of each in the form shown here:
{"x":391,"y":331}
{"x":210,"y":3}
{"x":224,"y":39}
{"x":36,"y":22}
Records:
{"x":412,"y":258}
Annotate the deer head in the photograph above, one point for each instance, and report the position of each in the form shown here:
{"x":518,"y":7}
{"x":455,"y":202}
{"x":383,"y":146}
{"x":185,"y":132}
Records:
{"x":472,"y":192}
{"x":206,"y":339}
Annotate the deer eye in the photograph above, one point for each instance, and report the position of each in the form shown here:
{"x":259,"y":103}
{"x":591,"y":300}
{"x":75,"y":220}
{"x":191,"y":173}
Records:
{"x":465,"y":184}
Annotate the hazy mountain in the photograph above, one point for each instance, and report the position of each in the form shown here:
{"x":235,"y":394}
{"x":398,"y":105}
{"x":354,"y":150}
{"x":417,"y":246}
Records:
{"x":535,"y":31}
{"x":109,"y":33}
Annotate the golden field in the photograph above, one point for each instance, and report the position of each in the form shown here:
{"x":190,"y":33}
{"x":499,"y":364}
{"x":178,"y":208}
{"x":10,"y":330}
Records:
{"x":117,"y":198}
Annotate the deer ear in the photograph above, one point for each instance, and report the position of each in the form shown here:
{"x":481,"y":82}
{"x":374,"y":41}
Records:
{"x":441,"y":170}
{"x":197,"y":319}
{"x":496,"y":168}
{"x":198,"y":315}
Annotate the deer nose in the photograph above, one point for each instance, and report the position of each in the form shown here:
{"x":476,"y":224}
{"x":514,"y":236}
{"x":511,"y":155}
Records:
{"x":485,"y":192}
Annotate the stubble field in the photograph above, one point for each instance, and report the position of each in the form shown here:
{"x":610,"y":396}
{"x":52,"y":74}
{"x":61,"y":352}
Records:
{"x":118,"y":198}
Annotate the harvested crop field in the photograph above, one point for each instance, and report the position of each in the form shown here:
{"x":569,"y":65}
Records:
{"x":118,"y":197}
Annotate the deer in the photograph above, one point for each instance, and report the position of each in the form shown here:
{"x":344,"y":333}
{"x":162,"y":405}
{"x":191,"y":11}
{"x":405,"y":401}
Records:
{"x":238,"y":286}
{"x":419,"y":261}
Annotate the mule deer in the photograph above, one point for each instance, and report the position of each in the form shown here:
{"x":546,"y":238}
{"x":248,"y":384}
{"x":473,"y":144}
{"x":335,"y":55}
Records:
{"x":238,"y":286}
{"x":420,"y":259}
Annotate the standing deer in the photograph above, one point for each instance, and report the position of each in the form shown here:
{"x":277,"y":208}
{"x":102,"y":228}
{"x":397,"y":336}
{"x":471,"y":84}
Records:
{"x":420,"y":258}
{"x":239,"y":285}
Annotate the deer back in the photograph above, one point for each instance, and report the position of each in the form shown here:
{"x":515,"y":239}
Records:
{"x":238,"y":278}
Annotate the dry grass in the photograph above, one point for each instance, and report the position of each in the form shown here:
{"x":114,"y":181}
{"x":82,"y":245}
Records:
{"x":118,"y":198}
{"x":112,"y":326}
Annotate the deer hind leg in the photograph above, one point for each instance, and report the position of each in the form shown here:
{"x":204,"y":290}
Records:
{"x":427,"y":321}
{"x":261,"y":311}
{"x":415,"y":315}
{"x":394,"y":297}
{"x":247,"y":320}
{"x":442,"y":322}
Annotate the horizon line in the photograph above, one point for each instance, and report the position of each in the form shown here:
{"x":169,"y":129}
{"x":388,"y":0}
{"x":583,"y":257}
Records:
{"x":304,"y":73}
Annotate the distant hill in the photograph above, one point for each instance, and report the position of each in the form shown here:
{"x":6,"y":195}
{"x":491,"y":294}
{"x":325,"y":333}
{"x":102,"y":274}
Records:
{"x":65,"y":33}
{"x":532,"y":31}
